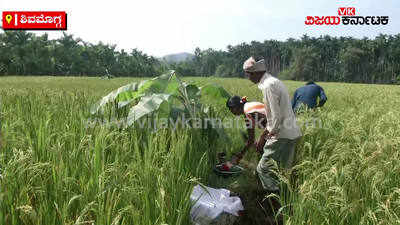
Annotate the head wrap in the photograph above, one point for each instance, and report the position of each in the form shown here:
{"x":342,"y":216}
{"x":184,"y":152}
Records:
{"x":244,"y":99}
{"x":250,"y":65}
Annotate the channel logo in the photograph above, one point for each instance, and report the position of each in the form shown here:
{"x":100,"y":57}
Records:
{"x":34,"y":20}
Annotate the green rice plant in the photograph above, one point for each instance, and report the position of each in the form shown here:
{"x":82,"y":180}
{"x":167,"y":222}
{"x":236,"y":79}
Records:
{"x":58,"y":170}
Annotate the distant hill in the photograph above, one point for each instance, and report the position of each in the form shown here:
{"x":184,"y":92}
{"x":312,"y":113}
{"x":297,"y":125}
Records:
{"x":178,"y":57}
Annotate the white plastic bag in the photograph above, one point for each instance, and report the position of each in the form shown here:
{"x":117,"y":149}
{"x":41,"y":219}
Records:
{"x":214,"y":206}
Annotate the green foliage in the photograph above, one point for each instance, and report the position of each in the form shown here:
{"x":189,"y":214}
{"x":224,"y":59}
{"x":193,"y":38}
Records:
{"x":184,"y":68}
{"x":28,"y":54}
{"x":222,"y":71}
{"x":354,"y":63}
{"x":323,"y":59}
{"x":286,"y":74}
{"x":148,"y":105}
{"x":305,"y":64}
{"x":166,"y":93}
{"x":215,"y":94}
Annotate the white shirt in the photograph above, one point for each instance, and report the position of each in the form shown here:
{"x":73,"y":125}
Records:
{"x":280,"y":117}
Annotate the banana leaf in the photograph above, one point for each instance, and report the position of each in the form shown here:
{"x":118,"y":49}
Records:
{"x":149,"y":87}
{"x":146,"y":106}
{"x":193,"y":91}
{"x":214,"y":94}
{"x":167,"y":96}
{"x":111,"y":97}
{"x":128,"y":93}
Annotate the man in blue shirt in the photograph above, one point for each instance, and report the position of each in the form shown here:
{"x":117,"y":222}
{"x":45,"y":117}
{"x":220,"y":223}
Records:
{"x":307,"y":96}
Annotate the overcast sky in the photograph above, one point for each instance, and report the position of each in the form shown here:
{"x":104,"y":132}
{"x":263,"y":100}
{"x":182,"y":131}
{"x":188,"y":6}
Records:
{"x":159,"y":27}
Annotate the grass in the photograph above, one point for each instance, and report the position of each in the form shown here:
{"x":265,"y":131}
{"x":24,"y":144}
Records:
{"x":55,"y":170}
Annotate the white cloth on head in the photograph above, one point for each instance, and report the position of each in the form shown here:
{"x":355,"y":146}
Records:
{"x":280,"y":117}
{"x":256,"y":120}
{"x":250,"y":65}
{"x":254,"y":107}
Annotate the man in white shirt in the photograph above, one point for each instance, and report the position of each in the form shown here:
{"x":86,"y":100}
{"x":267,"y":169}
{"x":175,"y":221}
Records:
{"x":281,"y":134}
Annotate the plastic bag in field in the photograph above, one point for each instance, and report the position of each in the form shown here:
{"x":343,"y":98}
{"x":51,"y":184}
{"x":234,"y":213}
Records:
{"x":214,"y":206}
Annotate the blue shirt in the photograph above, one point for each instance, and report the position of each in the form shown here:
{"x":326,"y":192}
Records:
{"x":308,"y":95}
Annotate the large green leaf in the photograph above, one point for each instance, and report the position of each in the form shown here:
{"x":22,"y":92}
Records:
{"x":156,"y":85}
{"x":124,"y":98}
{"x":214,"y":94}
{"x":192,"y":91}
{"x":149,"y":87}
{"x":169,"y":97}
{"x":146,"y":106}
{"x":112,"y":96}
{"x":173,"y":85}
{"x":128,"y":93}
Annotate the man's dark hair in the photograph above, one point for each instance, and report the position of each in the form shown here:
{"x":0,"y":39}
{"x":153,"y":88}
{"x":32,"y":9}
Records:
{"x":310,"y":82}
{"x":234,"y":101}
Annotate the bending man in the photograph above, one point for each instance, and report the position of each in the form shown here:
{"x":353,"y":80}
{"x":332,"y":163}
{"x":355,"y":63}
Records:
{"x":255,"y":116}
{"x":307,"y":96}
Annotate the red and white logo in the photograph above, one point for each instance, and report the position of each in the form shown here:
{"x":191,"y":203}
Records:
{"x":34,"y":20}
{"x":347,"y":15}
{"x":347,"y":11}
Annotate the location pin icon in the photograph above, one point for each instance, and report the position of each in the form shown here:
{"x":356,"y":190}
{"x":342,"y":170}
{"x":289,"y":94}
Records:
{"x":8,"y":18}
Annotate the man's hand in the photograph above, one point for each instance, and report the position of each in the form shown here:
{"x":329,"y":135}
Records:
{"x":250,"y":143}
{"x":260,"y":147}
{"x":239,"y":156}
{"x":236,"y":158}
{"x":261,"y":141}
{"x":270,"y":135}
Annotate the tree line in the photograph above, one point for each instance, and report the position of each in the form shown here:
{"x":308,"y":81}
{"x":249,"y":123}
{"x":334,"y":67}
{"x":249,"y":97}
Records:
{"x":24,"y":53}
{"x":326,"y":58}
